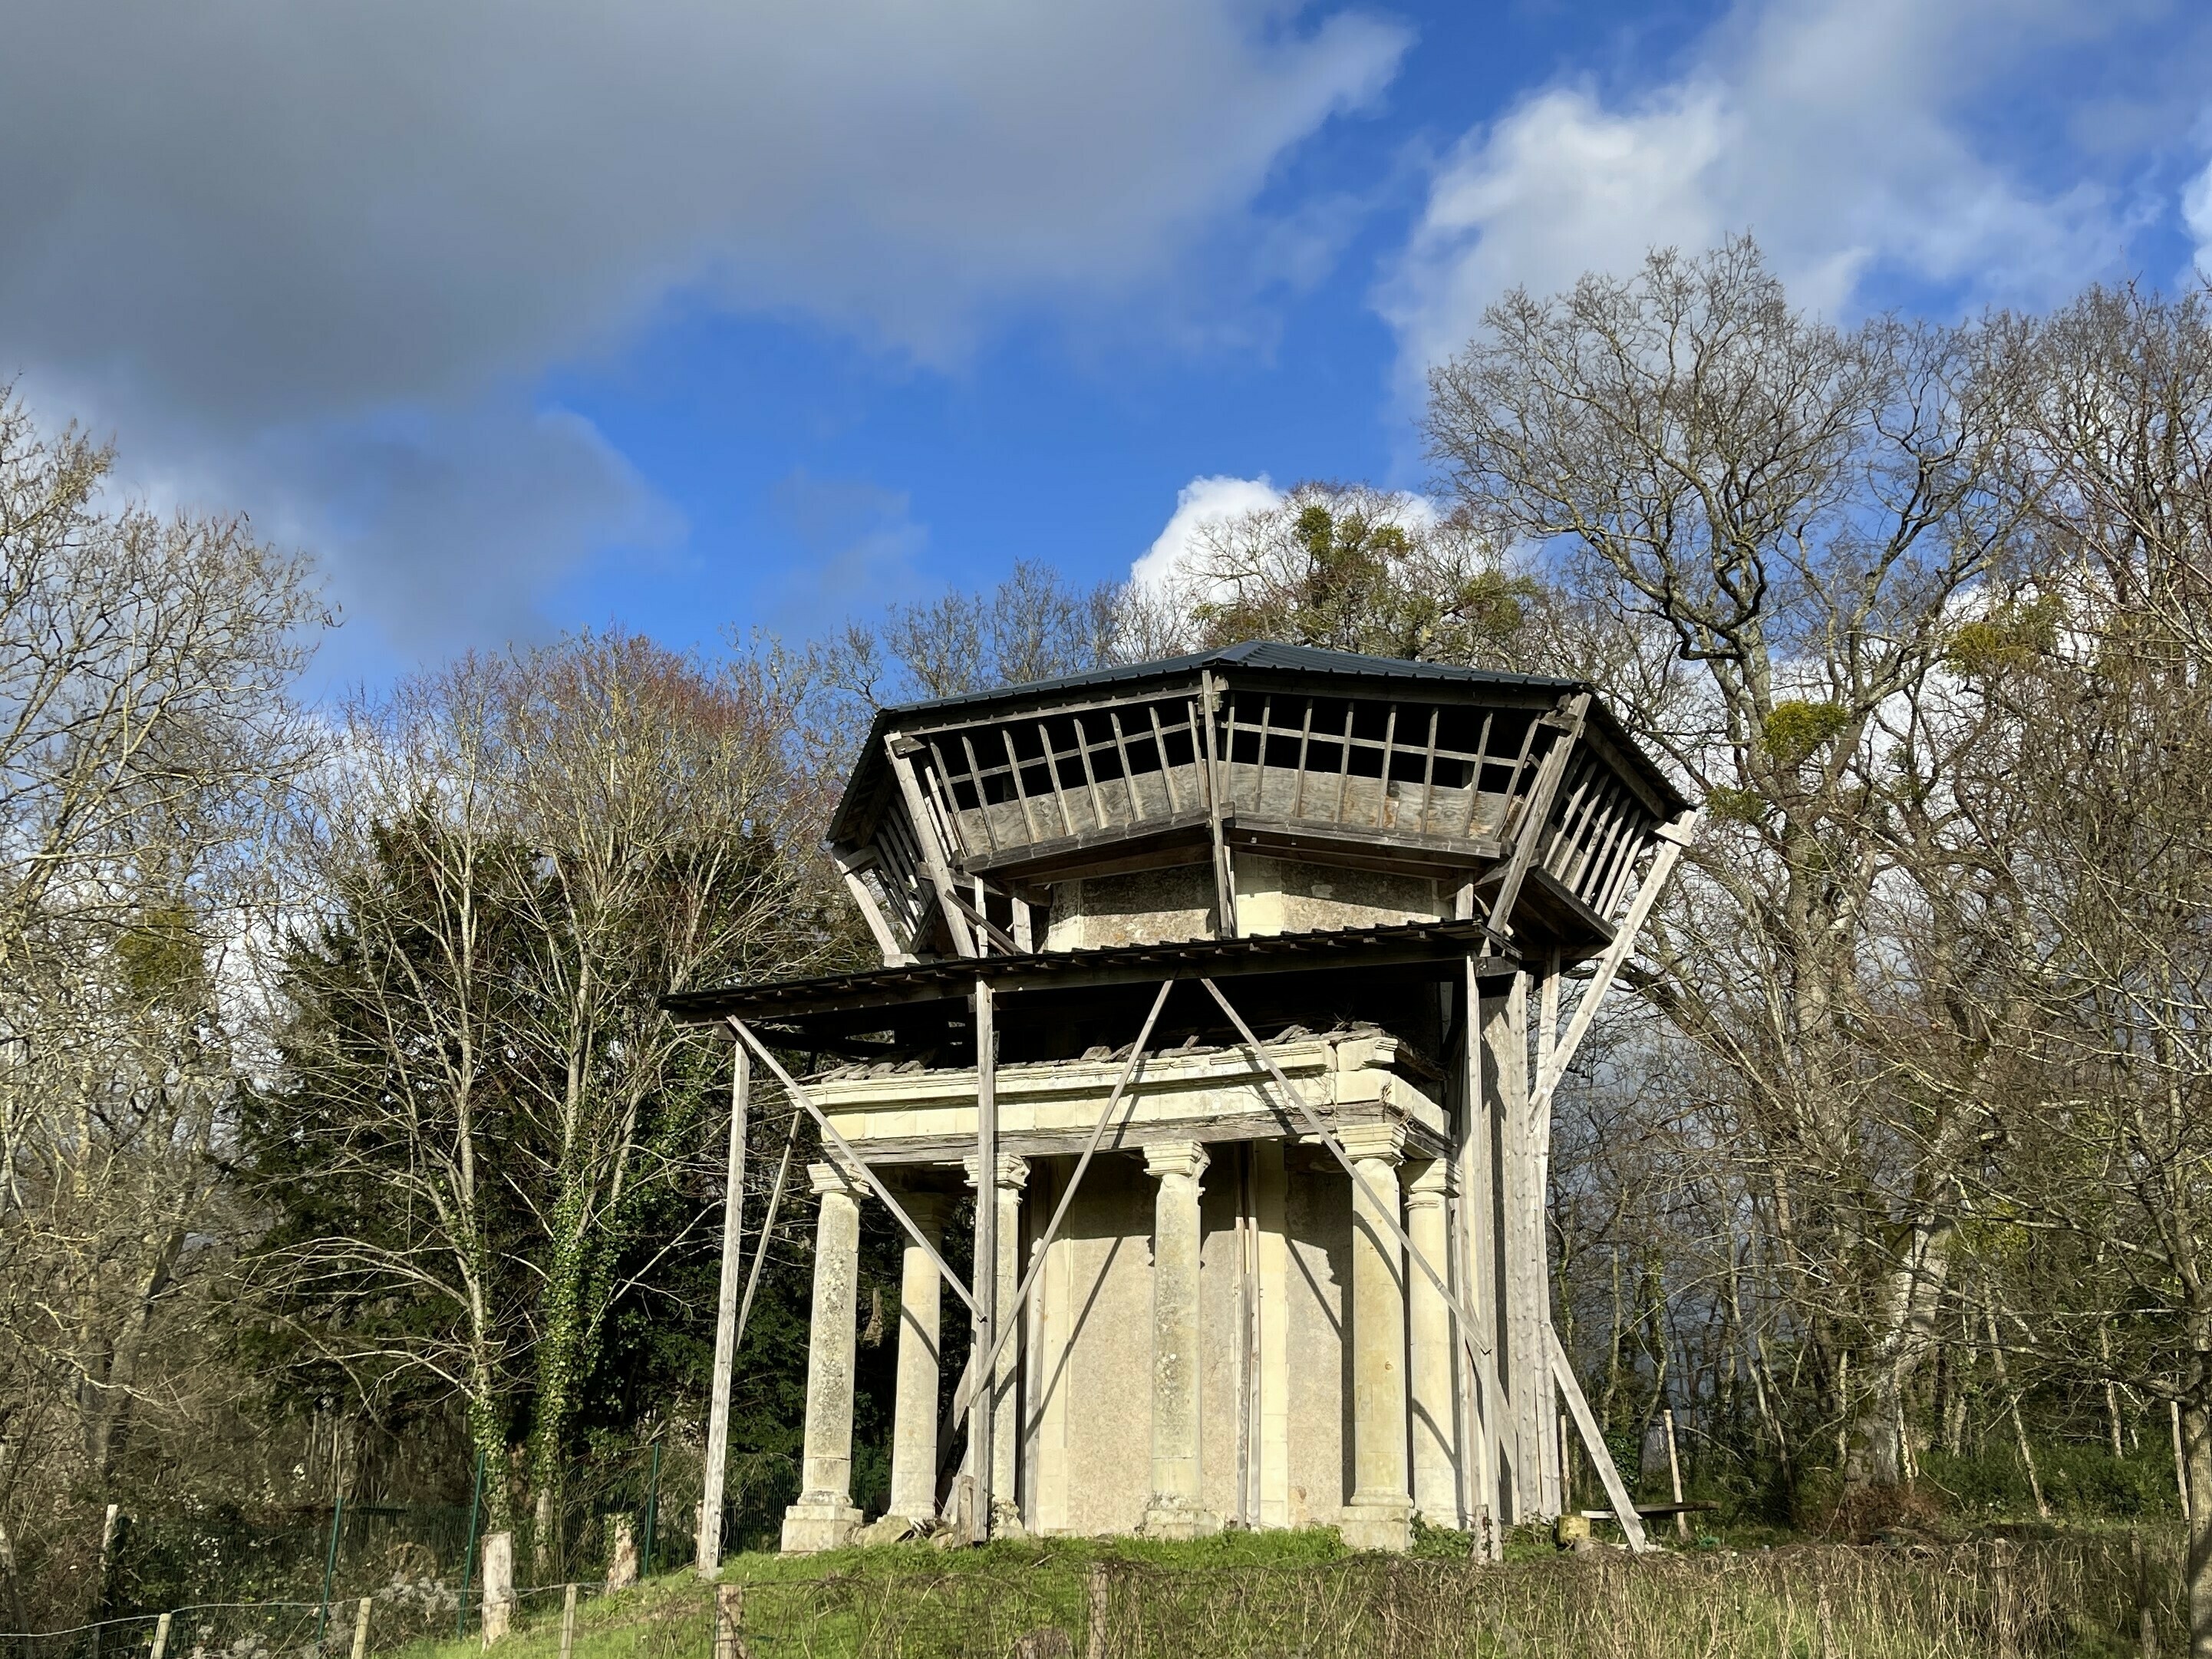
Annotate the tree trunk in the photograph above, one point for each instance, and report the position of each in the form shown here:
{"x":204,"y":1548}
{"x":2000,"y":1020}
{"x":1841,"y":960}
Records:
{"x":1910,"y":1302}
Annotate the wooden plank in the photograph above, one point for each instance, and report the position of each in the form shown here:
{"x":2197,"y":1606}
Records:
{"x":965,"y":1393}
{"x":1383,"y":778}
{"x":1090,"y":774}
{"x":1474,"y":776}
{"x":1224,"y":878}
{"x":983,"y":1424}
{"x":1429,"y":770}
{"x":879,"y":927}
{"x":726,"y":1317}
{"x":1305,"y":740}
{"x":1344,"y":762}
{"x":1674,"y":837}
{"x":1478,"y":1251}
{"x":1329,"y":1138}
{"x":1532,"y":825}
{"x":849,"y":1159}
{"x":933,"y":849}
{"x":1021,"y":790}
{"x":983,"y":796}
{"x":1052,"y":770}
{"x":1571,"y":1390}
{"x":1160,"y":753}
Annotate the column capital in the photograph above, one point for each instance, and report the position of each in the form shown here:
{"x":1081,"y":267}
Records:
{"x":1430,"y":1184}
{"x":1382,"y":1143}
{"x":1013,"y":1172}
{"x":828,"y":1178}
{"x":1176,"y":1157}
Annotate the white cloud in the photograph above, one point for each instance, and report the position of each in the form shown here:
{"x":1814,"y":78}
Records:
{"x":1200,"y":502}
{"x":1833,"y":130}
{"x":261,"y":221}
{"x":2196,"y":218}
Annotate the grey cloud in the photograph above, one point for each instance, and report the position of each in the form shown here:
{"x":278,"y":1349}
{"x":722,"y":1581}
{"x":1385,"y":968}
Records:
{"x":238,"y":218}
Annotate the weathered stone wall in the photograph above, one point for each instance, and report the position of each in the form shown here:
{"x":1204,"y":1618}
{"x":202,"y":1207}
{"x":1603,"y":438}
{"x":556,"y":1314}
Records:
{"x":1273,"y":896}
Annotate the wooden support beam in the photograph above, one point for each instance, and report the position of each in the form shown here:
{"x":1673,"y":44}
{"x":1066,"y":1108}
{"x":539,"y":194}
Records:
{"x":1569,"y":721}
{"x":983,"y":1424}
{"x":965,"y":1392}
{"x":1225,"y":871}
{"x":1329,"y":1138}
{"x":933,"y":845}
{"x":1571,"y":1390}
{"x":1673,"y":839}
{"x":852,"y":1160}
{"x":725,"y":1316}
{"x":879,"y":924}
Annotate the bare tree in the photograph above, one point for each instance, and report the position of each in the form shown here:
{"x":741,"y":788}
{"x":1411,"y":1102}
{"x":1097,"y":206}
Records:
{"x":1760,"y":523}
{"x":145,"y":736}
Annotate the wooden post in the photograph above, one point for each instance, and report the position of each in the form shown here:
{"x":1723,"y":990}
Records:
{"x":1094,"y":1638}
{"x":161,"y":1637}
{"x":2180,"y":1466}
{"x":729,"y":1621}
{"x":1571,"y":1390}
{"x":981,"y":1424}
{"x":1674,"y":1474}
{"x":498,"y":1585}
{"x":622,"y":1553}
{"x":360,"y":1629}
{"x":725,"y":1316}
{"x":567,"y":1621}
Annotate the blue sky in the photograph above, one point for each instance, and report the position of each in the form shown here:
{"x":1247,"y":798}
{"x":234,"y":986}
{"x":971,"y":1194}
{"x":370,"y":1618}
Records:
{"x":690,"y":316}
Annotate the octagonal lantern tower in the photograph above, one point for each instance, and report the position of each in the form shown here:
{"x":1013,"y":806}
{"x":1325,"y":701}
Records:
{"x":1230,"y":987}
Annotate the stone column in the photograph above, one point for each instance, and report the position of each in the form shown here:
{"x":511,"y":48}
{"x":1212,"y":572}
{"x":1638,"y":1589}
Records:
{"x":913,"y":1421}
{"x":823,"y":1517}
{"x":1432,"y":1331}
{"x":1380,"y":1512}
{"x":1013,"y":1175}
{"x":1174,"y":1511}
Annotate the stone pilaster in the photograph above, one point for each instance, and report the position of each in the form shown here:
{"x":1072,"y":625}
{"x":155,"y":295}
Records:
{"x":1431,"y":1332}
{"x":1174,"y":1511}
{"x":1380,"y":1515}
{"x":823,"y":1517}
{"x":914,"y":1422}
{"x":1013,"y":1177}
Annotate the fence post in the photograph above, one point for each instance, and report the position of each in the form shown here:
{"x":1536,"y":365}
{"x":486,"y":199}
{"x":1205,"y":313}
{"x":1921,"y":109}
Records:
{"x":1094,"y":1639}
{"x":652,"y":1508}
{"x":1674,"y":1475}
{"x":468,"y":1551}
{"x":498,"y":1585}
{"x":567,"y":1621}
{"x":729,"y":1620}
{"x":622,"y":1553}
{"x":330,"y":1569}
{"x":361,"y":1630}
{"x":161,"y":1637}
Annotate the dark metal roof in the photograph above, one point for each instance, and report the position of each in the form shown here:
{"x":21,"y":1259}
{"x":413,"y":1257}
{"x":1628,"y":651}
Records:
{"x":1266,"y":655}
{"x":890,"y":990}
{"x":1253,"y":653}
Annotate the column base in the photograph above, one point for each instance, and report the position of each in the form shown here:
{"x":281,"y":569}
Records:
{"x":1377,"y":1522}
{"x":818,"y":1524}
{"x":1176,"y":1518}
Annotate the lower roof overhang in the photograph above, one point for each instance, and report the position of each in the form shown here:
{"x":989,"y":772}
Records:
{"x":832,"y":1006}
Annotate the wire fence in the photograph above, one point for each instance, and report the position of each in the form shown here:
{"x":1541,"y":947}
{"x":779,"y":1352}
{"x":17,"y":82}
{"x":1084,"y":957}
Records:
{"x":1998,"y":1599}
{"x":238,"y":1582}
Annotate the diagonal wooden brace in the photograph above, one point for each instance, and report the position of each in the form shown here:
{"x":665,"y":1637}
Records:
{"x":964,"y":1394}
{"x":851,"y":1159}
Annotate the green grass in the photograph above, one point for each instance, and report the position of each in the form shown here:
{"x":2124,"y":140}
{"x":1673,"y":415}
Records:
{"x":1302,"y":1593}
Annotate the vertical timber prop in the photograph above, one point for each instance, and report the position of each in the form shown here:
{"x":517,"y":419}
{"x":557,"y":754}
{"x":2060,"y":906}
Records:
{"x":726,"y":1317}
{"x":983,"y":1424}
